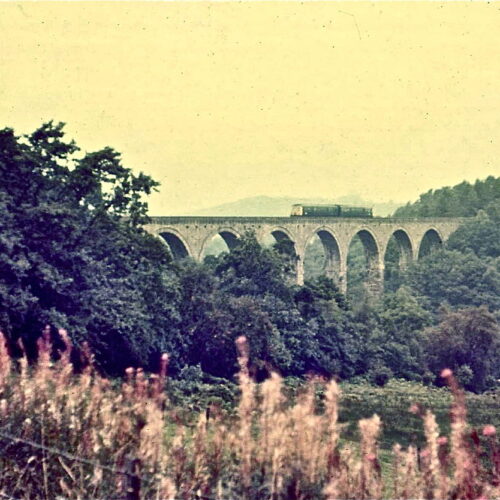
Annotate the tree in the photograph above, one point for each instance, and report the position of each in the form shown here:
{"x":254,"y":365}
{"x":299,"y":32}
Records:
{"x":480,"y":236}
{"x":462,"y":200}
{"x":250,"y":269}
{"x":72,"y":253}
{"x":457,"y":279}
{"x":468,"y":342}
{"x":393,"y":275}
{"x":333,"y":344}
{"x":291,"y":329}
{"x":402,"y":320}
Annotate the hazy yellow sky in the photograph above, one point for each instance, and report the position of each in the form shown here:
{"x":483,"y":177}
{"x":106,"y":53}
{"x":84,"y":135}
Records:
{"x":220,"y":101}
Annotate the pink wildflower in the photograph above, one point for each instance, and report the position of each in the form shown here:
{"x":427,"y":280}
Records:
{"x":489,"y":430}
{"x":414,"y":408}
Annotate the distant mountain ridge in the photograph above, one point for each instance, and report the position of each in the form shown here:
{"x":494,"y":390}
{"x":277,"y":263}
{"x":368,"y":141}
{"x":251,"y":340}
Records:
{"x":267,"y":206}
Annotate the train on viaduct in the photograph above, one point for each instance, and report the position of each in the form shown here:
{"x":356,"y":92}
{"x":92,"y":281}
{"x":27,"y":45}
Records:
{"x":190,"y":236}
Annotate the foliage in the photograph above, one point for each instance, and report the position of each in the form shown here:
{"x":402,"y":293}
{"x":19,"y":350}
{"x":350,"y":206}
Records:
{"x":357,"y":273}
{"x":380,"y":375}
{"x":480,"y":236}
{"x":393,"y":274}
{"x":72,"y":252}
{"x":467,"y":341}
{"x":70,"y":436}
{"x":193,"y":391}
{"x":448,"y":276}
{"x":225,"y":297}
{"x":462,"y":200}
{"x":465,"y":274}
{"x":402,"y":316}
{"x":402,"y":319}
{"x":251,"y":269}
{"x":335,"y":346}
{"x":294,"y":330}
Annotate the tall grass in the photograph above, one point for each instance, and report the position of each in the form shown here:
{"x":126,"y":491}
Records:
{"x":71,"y":435}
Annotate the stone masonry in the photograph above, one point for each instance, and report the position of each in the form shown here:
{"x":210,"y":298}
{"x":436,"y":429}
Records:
{"x":189,"y":236}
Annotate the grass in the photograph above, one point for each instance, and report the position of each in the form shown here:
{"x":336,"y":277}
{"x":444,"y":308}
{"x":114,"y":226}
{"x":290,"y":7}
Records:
{"x":393,"y":402}
{"x":79,"y":436}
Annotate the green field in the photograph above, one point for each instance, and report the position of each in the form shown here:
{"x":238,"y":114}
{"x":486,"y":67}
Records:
{"x":392,"y":404}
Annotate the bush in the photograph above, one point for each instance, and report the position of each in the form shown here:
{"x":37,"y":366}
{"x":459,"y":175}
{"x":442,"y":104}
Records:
{"x":467,"y":341}
{"x":380,"y":375}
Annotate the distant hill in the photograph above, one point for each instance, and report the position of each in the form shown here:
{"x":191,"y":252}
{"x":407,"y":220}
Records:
{"x":463,"y":200}
{"x":266,"y":206}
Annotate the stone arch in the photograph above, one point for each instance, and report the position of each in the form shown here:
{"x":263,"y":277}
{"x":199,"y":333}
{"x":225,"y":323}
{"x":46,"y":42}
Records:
{"x":331,"y":249}
{"x":375,"y":279}
{"x":280,"y":233}
{"x":369,"y":243}
{"x":431,"y":240}
{"x":229,"y":235}
{"x":405,"y":247}
{"x":175,"y":242}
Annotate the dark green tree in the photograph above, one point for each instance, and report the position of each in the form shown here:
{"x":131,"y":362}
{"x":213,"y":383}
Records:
{"x":402,"y":320}
{"x":468,"y":342}
{"x":455,"y":278}
{"x":480,"y":236}
{"x":250,"y":269}
{"x":462,"y":200}
{"x":291,"y":329}
{"x":72,"y":253}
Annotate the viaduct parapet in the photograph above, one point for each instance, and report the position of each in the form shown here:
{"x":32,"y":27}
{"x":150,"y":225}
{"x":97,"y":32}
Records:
{"x":190,"y":236}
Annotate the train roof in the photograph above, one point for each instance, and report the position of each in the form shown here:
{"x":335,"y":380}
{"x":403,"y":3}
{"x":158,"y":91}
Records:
{"x":327,"y":205}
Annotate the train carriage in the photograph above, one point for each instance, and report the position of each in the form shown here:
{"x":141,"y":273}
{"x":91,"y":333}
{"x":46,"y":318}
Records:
{"x":299,"y":210}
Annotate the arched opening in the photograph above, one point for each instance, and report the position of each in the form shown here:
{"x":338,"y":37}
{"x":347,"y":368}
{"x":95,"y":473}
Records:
{"x":398,"y":255}
{"x":282,"y":242}
{"x":322,"y":256}
{"x":364,"y":277}
{"x":279,"y":239}
{"x":222,"y":242}
{"x":281,"y":235}
{"x":430,"y":242}
{"x":176,"y":245}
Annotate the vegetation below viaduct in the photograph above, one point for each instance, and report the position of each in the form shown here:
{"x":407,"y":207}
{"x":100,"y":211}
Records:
{"x":74,"y":253}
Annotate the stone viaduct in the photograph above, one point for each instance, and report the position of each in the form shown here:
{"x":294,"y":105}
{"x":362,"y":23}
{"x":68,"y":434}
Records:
{"x":189,"y":237}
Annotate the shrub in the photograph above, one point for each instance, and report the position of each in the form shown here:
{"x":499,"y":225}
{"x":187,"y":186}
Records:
{"x":380,"y":375}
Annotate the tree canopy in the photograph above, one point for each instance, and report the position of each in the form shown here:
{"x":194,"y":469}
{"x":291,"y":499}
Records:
{"x":73,"y":254}
{"x":462,"y":200}
{"x":468,"y":342}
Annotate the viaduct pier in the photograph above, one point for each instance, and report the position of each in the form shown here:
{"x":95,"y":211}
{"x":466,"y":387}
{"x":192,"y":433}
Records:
{"x":190,"y":236}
